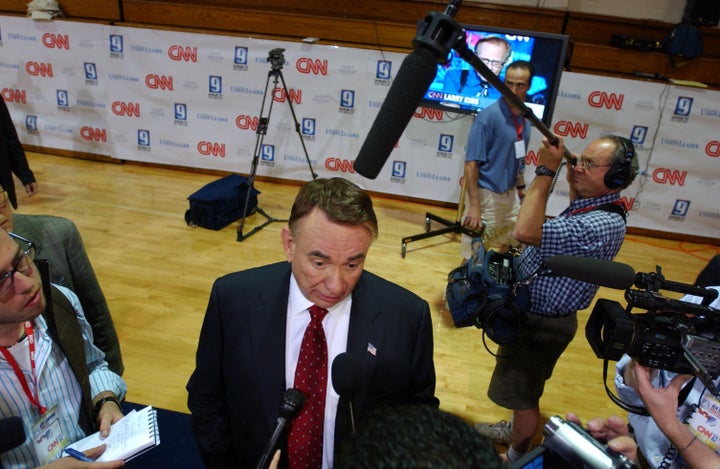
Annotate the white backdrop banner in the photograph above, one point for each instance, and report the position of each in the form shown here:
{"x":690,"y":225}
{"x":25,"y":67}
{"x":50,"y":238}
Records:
{"x":289,"y":110}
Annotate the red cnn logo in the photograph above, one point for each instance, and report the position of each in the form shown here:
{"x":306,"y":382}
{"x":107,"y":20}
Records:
{"x":246,"y":122}
{"x":429,"y":114}
{"x":39,"y":69}
{"x":573,"y":129}
{"x":315,"y":67}
{"x":338,"y":165}
{"x":93,"y":134}
{"x":713,"y":148}
{"x":603,"y":99}
{"x":627,"y":203}
{"x":211,"y":149}
{"x":532,"y":158}
{"x":178,"y":53}
{"x":279,"y":96}
{"x":14,"y":96}
{"x":120,"y":108}
{"x":669,"y":176}
{"x":159,"y":81}
{"x":56,"y":41}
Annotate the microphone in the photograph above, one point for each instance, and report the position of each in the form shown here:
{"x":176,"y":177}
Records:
{"x":347,"y":379}
{"x":596,"y":271}
{"x":12,"y":433}
{"x":432,"y":43}
{"x":292,"y":401}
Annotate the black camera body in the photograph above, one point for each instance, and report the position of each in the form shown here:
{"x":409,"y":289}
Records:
{"x":484,"y":292}
{"x":672,"y":335}
{"x":276,"y":58}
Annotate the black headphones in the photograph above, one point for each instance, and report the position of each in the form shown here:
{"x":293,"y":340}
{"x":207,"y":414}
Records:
{"x":619,"y":173}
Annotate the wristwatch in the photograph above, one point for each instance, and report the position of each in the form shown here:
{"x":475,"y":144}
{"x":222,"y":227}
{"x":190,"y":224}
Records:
{"x":544,"y":171}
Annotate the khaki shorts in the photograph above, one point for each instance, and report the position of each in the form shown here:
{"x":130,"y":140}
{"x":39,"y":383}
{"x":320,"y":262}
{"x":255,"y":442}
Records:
{"x":518,"y":380}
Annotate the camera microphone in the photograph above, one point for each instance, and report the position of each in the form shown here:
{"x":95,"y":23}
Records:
{"x":596,"y":271}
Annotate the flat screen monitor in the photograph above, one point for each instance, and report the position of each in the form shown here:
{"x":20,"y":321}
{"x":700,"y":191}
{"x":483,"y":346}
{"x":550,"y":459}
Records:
{"x":457,"y":87}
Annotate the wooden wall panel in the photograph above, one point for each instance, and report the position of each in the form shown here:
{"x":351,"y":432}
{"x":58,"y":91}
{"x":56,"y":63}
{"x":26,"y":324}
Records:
{"x":106,"y":10}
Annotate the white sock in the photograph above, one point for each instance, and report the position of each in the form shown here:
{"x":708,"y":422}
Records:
{"x":513,"y":455}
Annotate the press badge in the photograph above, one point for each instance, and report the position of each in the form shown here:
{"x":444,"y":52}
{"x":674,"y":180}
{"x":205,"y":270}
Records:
{"x":47,"y":436}
{"x":705,"y":421}
{"x":520,"y":151}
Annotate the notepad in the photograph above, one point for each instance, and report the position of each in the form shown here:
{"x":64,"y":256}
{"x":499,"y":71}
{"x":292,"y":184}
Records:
{"x":134,"y":434}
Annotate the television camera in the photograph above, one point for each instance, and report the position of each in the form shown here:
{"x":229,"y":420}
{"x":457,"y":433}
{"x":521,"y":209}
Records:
{"x":674,"y":335}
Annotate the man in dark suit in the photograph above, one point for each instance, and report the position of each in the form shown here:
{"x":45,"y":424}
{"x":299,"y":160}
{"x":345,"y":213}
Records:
{"x":251,"y":336}
{"x":12,"y":158}
{"x":59,"y":242}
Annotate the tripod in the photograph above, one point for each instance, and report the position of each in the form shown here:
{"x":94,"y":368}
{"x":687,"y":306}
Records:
{"x":276,"y":59}
{"x":450,"y":227}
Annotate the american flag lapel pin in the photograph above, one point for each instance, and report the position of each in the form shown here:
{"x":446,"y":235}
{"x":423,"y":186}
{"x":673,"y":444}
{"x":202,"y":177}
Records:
{"x":372,"y":349}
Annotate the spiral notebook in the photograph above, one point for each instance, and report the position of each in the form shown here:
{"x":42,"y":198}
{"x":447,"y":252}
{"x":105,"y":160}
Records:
{"x":134,"y":434}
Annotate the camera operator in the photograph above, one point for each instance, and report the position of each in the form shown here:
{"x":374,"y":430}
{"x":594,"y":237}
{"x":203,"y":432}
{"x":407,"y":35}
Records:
{"x":664,"y":439}
{"x":593,"y":225}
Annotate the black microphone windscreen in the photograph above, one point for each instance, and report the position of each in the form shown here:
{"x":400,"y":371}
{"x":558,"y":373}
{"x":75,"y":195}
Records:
{"x":292,"y":401}
{"x":346,"y":374}
{"x":12,"y":433}
{"x":596,"y":271}
{"x":414,"y":77}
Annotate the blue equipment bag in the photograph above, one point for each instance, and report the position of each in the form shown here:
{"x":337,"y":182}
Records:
{"x":221,"y":202}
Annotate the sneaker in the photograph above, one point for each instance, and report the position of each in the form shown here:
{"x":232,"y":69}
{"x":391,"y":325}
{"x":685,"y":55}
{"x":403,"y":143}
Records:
{"x":499,"y":433}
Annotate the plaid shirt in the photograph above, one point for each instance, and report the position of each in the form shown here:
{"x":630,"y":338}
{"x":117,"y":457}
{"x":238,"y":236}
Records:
{"x":579,"y":230}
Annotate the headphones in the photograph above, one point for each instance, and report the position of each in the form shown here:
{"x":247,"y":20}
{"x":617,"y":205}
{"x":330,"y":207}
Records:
{"x":619,"y":173}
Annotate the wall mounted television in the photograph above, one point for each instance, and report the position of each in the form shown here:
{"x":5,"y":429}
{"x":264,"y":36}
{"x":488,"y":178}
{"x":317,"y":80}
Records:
{"x":546,"y":51}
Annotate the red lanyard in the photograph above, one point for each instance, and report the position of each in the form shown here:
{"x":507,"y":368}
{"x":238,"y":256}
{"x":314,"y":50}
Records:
{"x":34,"y":398}
{"x":519,"y":126}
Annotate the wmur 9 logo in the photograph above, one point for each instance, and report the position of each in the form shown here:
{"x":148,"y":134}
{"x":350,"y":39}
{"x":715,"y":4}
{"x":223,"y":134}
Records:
{"x":180,"y":53}
{"x":10,"y":95}
{"x":41,"y":69}
{"x":598,"y":99}
{"x":56,"y":41}
{"x":310,"y":66}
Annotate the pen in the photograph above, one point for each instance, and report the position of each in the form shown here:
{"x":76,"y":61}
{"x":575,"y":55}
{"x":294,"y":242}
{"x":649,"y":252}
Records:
{"x":78,"y":455}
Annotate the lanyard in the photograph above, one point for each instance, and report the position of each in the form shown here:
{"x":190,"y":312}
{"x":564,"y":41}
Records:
{"x":519,"y":126}
{"x":34,"y":398}
{"x":593,"y":207}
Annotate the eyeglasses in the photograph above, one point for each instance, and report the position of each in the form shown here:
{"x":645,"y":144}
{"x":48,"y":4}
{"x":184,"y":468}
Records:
{"x":589,"y":164}
{"x":493,"y":63}
{"x":23,"y":263}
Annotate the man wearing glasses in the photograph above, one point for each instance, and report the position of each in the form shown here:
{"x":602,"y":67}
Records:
{"x":494,"y":52}
{"x":593,"y":225}
{"x":51,"y":375}
{"x":58,"y":241}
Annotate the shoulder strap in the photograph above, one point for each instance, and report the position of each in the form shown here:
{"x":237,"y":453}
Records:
{"x":613,"y":207}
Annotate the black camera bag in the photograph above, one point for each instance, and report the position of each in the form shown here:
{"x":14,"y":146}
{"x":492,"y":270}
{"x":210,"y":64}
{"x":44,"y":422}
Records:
{"x":221,"y":202}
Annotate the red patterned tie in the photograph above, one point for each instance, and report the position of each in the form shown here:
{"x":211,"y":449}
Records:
{"x":305,"y":440}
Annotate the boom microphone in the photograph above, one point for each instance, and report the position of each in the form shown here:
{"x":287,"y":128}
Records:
{"x":433,"y":42}
{"x":292,"y":401}
{"x":596,"y":271}
{"x":12,"y":433}
{"x":347,"y":379}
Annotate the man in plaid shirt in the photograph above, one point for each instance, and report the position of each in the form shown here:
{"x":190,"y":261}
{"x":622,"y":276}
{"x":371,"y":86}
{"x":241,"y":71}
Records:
{"x":593,"y":225}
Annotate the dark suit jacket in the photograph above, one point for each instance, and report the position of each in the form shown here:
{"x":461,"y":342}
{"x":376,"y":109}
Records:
{"x":59,"y":241}
{"x":12,"y":156}
{"x":239,"y":379}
